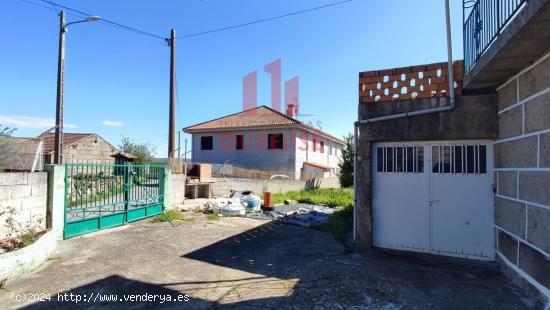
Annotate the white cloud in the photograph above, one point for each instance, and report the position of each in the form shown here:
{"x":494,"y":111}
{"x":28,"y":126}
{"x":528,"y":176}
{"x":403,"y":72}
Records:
{"x":113,"y":123}
{"x":31,"y":122}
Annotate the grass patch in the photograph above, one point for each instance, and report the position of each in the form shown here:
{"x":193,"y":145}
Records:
{"x":339,"y":197}
{"x":340,"y":223}
{"x":212,"y":217}
{"x":172,"y":214}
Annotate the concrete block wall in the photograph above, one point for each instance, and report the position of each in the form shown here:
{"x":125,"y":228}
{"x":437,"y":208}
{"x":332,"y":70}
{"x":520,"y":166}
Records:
{"x":522,"y":172}
{"x":174,"y":190}
{"x":27,"y":193}
{"x":223,"y":186}
{"x":423,"y":81}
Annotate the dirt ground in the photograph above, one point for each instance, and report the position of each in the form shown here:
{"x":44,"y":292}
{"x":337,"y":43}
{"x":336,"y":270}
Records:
{"x":249,"y":264}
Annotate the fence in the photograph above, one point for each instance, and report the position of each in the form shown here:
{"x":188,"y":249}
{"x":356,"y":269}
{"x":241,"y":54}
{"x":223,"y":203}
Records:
{"x":483,"y":22}
{"x":232,"y":171}
{"x":99,"y":195}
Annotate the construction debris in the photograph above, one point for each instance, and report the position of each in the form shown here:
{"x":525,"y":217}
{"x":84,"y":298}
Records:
{"x":249,"y":199}
{"x":304,"y":215}
{"x":225,"y":206}
{"x":247,"y":204}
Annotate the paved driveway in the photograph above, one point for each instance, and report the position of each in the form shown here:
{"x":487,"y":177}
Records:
{"x":250,"y":264}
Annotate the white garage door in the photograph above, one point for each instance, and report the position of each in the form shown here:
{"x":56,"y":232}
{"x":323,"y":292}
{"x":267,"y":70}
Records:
{"x":434,"y":197}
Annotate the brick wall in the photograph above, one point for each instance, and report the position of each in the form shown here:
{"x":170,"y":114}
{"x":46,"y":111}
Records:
{"x":27,"y":193}
{"x":423,"y":81}
{"x":522,"y":172}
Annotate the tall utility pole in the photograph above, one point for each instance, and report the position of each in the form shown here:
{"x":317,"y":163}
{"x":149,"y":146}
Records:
{"x":172,"y":121}
{"x":58,"y":148}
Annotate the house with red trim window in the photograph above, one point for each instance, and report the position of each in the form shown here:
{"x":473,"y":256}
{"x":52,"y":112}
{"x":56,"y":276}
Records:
{"x":265,"y":139}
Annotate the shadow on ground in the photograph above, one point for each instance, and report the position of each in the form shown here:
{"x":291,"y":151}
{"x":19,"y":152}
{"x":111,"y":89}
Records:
{"x":279,"y":266}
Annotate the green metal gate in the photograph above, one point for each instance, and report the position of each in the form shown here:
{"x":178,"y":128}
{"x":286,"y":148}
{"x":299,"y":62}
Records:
{"x":99,"y":196}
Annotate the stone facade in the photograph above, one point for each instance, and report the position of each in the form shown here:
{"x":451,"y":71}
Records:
{"x":522,"y":153}
{"x":27,"y":194}
{"x":90,"y":149}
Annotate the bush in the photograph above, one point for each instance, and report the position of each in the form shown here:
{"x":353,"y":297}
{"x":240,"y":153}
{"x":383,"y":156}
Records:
{"x":144,"y":152}
{"x":346,"y":163}
{"x":172,"y":214}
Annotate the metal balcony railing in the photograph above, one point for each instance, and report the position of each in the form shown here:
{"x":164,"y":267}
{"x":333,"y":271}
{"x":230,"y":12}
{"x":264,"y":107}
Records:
{"x":483,"y":21}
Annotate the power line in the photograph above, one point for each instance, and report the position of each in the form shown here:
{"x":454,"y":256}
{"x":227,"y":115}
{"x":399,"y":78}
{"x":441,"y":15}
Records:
{"x":53,"y":5}
{"x":102,"y":20}
{"x":262,"y":20}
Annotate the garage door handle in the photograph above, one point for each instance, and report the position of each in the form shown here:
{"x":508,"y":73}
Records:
{"x":437,"y":200}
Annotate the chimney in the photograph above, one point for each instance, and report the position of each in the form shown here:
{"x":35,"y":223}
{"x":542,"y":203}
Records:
{"x":291,"y":110}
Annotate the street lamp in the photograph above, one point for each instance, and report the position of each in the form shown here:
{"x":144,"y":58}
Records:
{"x":58,"y":148}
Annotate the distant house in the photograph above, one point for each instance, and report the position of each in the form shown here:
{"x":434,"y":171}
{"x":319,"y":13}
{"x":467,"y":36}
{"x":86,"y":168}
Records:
{"x":21,"y":154}
{"x":265,"y":139}
{"x":79,"y":147}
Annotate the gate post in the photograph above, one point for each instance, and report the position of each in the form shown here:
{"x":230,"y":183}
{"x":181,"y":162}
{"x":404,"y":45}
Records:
{"x":126,"y":190}
{"x":55,"y":213}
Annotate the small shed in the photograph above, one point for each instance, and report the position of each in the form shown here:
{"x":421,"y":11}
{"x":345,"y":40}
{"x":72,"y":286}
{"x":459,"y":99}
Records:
{"x":123,"y":158}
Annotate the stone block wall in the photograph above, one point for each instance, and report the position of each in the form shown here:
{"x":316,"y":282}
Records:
{"x":27,"y":193}
{"x":522,"y":172}
{"x":91,"y":149}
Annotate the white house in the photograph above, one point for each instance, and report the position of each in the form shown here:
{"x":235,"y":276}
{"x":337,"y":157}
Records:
{"x":267,"y":140}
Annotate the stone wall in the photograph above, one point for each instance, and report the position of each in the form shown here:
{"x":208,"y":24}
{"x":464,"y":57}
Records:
{"x":27,"y":193}
{"x":90,"y":149}
{"x":522,"y":172}
{"x":223,"y":186}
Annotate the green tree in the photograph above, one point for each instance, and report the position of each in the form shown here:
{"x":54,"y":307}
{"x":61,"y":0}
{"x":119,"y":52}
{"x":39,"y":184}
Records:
{"x":346,"y":162}
{"x":143,"y":151}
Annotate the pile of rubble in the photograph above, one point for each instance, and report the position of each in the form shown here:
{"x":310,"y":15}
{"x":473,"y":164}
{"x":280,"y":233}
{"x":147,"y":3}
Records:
{"x":248,"y":204}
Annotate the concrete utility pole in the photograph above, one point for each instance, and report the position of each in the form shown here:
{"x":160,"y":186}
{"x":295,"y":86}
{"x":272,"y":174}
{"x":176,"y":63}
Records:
{"x":172,"y":120}
{"x":58,"y":148}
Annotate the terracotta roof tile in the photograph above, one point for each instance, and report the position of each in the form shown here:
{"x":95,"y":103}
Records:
{"x":254,"y":118}
{"x":258,"y":117}
{"x":68,"y":139}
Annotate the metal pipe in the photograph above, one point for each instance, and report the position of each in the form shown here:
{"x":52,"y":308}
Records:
{"x":401,"y":115}
{"x":449,"y":107}
{"x":450,"y":52}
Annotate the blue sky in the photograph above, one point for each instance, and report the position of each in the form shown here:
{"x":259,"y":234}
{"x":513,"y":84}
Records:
{"x":123,"y":78}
